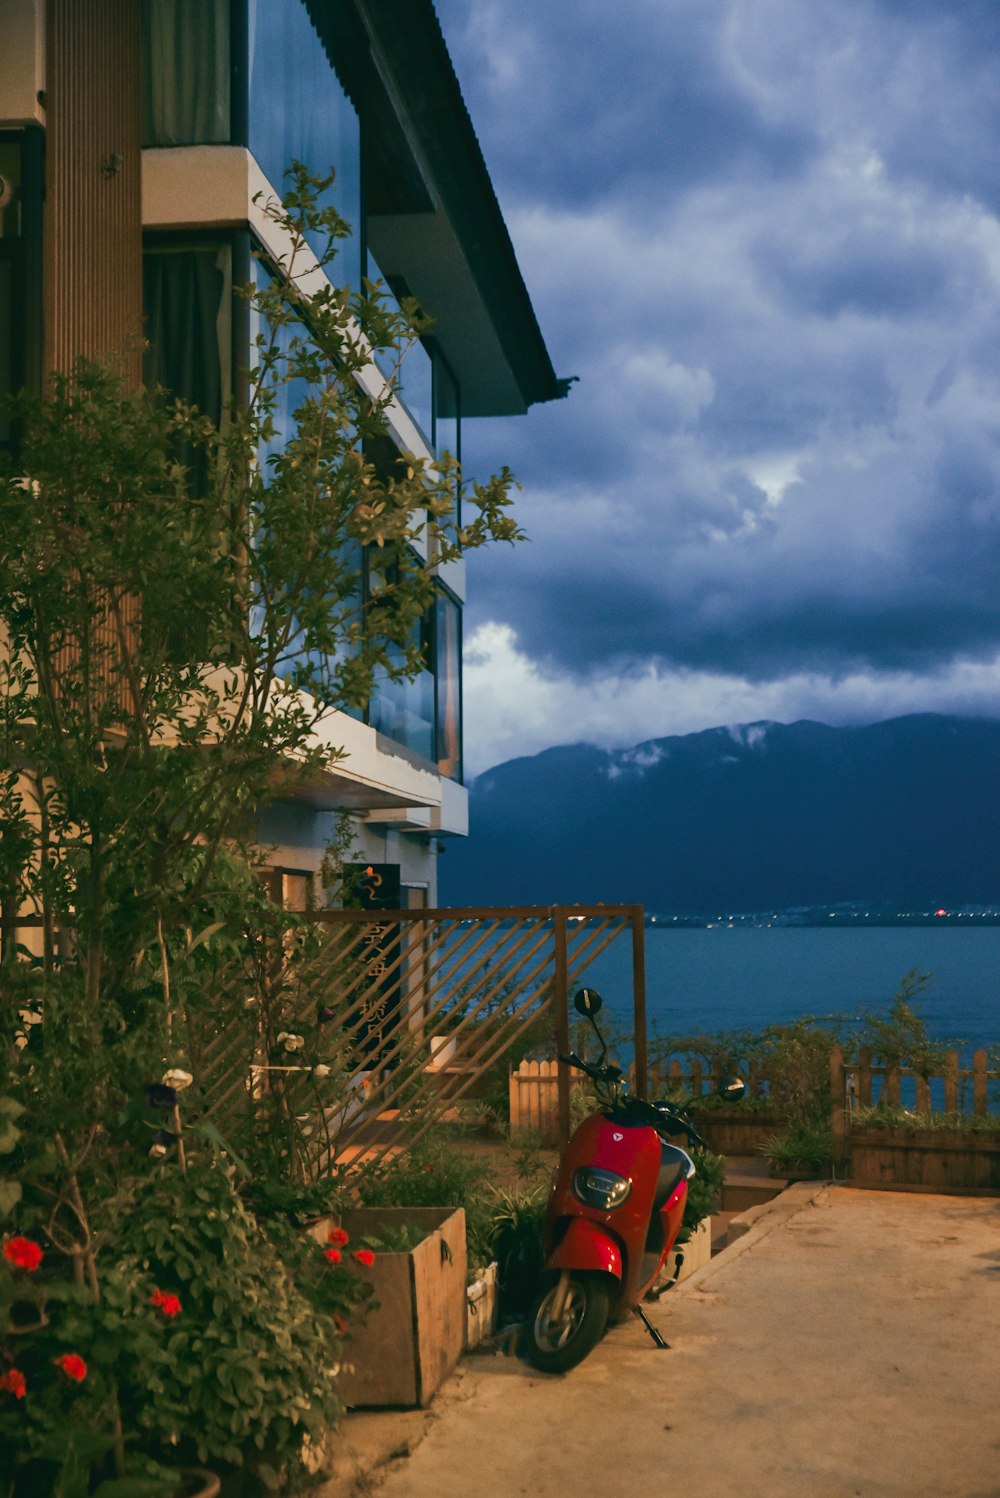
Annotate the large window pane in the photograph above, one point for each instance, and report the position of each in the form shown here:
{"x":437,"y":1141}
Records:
{"x":188,"y":306}
{"x":299,"y":112}
{"x":416,"y":388}
{"x":404,"y":711}
{"x":187,"y":300}
{"x":20,"y":207}
{"x":186,"y":72}
{"x":414,"y":374}
{"x":289,"y":395}
{"x":446,"y":409}
{"x":7,"y":376}
{"x":448,"y":717}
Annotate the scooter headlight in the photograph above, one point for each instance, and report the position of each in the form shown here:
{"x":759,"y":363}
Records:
{"x":600,"y":1188}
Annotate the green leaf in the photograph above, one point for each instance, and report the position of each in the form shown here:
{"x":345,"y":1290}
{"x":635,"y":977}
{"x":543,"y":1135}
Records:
{"x":10,"y":1195}
{"x":204,"y":936}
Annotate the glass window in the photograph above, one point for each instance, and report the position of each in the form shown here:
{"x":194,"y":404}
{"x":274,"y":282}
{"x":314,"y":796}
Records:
{"x":298,"y":111}
{"x":448,"y":705}
{"x":10,"y":190}
{"x":8,"y":378}
{"x":188,"y":308}
{"x":425,"y":714}
{"x":289,"y":395}
{"x":416,"y":388}
{"x":18,"y":249}
{"x":414,"y":373}
{"x":186,"y":72}
{"x":404,"y":710}
{"x":446,"y":408}
{"x":187,"y":301}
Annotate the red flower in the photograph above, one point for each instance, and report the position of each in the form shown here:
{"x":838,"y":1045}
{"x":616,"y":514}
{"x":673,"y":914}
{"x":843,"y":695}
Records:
{"x":12,"y":1382}
{"x":23,"y":1254}
{"x":363,"y":1256}
{"x":334,"y":1255}
{"x":337,"y":1237}
{"x":167,"y":1305}
{"x":340,"y":1323}
{"x":73,"y":1366}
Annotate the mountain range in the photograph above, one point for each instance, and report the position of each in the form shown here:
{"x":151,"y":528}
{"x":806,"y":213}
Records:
{"x":753,"y":817}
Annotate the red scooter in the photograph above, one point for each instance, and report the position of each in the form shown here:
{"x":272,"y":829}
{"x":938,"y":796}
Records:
{"x":615,"y":1211}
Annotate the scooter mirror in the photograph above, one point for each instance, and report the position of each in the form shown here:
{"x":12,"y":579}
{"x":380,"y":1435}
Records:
{"x":732,"y":1089}
{"x":587,"y":1001}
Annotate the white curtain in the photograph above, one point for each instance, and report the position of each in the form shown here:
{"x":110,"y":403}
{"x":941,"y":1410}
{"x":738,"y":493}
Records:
{"x":186,"y":72}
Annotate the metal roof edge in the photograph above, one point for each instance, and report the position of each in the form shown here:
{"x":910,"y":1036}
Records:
{"x":409,"y":36}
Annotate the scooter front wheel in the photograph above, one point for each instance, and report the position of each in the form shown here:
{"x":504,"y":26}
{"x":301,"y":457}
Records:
{"x":561,"y":1335}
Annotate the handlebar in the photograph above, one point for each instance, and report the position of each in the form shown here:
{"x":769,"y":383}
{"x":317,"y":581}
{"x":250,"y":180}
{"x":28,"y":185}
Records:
{"x":608,"y":1073}
{"x":665,"y":1117}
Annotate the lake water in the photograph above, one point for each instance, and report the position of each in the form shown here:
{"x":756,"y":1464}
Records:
{"x":744,"y":978}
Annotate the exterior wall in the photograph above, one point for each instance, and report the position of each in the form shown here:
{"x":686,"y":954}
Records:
{"x":22,"y":62}
{"x":223,"y":187}
{"x":294,"y":837}
{"x":93,"y":250}
{"x":74,"y":66}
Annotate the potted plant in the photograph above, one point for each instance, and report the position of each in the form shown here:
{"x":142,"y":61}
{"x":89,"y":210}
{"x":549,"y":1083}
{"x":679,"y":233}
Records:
{"x":414,"y":1332}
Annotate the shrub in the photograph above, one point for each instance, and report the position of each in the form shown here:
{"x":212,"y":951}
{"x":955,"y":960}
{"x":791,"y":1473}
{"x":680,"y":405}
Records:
{"x":900,"y":1038}
{"x":806,"y":1142}
{"x":703,"y":1190}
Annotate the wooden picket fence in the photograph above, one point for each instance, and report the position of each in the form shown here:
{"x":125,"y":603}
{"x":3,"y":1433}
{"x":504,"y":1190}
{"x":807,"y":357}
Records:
{"x":856,"y":1083}
{"x":859,"y":1083}
{"x":534,"y":1093}
{"x":534,"y":1101}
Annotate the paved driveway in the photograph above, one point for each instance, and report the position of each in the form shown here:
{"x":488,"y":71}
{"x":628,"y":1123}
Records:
{"x":850,"y":1349}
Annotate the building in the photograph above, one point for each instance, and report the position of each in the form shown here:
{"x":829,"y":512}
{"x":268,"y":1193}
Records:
{"x":134,"y":136}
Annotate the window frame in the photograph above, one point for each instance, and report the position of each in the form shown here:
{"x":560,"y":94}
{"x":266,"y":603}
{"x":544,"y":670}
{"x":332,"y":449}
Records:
{"x":24,"y":255}
{"x":160,"y":241}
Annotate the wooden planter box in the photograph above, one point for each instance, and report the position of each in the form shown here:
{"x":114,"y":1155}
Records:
{"x":404,"y":1349}
{"x":697,"y":1251}
{"x":925,"y":1159}
{"x":733,"y":1132}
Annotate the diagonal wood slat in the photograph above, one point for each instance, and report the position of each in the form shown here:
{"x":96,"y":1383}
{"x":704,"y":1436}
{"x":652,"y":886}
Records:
{"x":364,"y":992}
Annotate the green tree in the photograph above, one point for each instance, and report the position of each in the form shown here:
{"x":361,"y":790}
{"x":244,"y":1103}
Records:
{"x":181,"y":610}
{"x":180,"y":617}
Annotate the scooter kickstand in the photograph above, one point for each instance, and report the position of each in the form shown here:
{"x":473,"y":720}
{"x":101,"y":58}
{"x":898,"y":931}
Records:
{"x":651,"y":1329}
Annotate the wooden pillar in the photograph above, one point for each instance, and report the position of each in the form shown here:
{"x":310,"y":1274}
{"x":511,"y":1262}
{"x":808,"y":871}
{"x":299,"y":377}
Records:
{"x":639,"y":1000}
{"x":838,"y":1108}
{"x":561,"y":996}
{"x":93,"y":212}
{"x":980,"y":1083}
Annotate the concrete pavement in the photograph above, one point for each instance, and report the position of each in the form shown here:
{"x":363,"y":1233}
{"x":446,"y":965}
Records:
{"x":848,"y":1346}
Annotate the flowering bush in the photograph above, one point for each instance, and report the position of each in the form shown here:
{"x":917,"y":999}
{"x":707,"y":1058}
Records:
{"x":22,"y":1253}
{"x":146,"y":1310}
{"x":56,"y":1405}
{"x":248,"y":1352}
{"x":167,"y":1305}
{"x":73,"y":1366}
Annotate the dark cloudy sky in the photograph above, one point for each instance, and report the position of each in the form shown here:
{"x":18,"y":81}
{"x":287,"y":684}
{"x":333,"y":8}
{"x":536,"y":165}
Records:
{"x":765,"y":234}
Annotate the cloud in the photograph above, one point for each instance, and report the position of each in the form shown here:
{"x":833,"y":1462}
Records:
{"x":512,"y":702}
{"x":766,"y":237}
